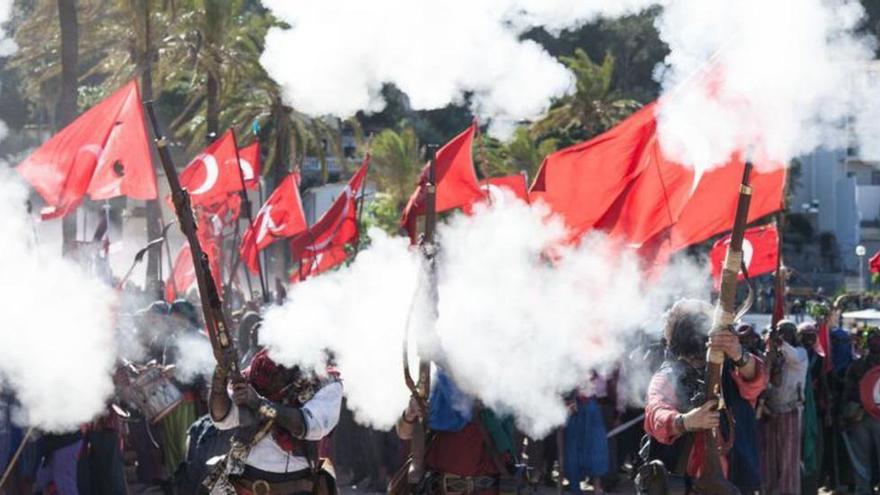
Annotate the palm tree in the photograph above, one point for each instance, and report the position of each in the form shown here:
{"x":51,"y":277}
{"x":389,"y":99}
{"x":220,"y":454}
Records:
{"x":594,"y":107}
{"x":396,"y":163}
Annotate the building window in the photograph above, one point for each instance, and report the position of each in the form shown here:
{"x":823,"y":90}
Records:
{"x":875,"y":177}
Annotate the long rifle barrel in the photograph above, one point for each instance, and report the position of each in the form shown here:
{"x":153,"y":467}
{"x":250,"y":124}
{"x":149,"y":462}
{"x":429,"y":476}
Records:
{"x":423,"y":387}
{"x":711,"y":480}
{"x":212,"y":308}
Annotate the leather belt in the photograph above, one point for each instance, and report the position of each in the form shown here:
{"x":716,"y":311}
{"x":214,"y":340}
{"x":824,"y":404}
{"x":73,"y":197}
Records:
{"x":453,"y":484}
{"x":244,"y":486}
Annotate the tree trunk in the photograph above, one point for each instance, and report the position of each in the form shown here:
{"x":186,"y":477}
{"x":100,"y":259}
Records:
{"x":279,"y":254}
{"x":212,"y":112}
{"x":67,"y":106}
{"x":154,"y":214}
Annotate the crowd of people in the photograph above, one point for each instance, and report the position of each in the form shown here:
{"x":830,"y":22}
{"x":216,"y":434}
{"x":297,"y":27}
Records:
{"x":795,"y":419}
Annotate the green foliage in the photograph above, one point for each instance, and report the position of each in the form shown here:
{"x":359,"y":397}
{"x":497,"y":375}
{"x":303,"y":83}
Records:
{"x":396,"y":164}
{"x":383,"y":212}
{"x":593,"y":108}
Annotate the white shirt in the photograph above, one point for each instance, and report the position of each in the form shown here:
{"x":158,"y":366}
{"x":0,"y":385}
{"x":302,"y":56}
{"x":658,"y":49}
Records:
{"x":321,"y":415}
{"x":789,"y":395}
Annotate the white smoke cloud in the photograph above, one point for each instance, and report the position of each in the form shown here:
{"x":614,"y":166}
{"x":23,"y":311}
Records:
{"x":195,"y":357}
{"x":514,"y":329}
{"x":786,"y":77}
{"x":338,"y":53}
{"x":780,"y":76}
{"x":56,"y":343}
{"x":360,"y":314}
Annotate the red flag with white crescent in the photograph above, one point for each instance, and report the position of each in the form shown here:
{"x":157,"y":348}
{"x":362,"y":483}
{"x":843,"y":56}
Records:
{"x":760,"y":252}
{"x":249,"y":158}
{"x":320,"y":263}
{"x":338,"y":226}
{"x":215,"y":173}
{"x":104,"y":152}
{"x":280,"y":217}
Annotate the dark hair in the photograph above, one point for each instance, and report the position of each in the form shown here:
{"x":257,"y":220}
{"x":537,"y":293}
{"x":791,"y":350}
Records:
{"x":687,"y":327}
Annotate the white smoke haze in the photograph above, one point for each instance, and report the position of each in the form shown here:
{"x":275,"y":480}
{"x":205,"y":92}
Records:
{"x":56,"y":343}
{"x":337,"y":54}
{"x":775,"y":75}
{"x":359,"y":313}
{"x":195,"y":357}
{"x":782,"y":77}
{"x":514,"y":329}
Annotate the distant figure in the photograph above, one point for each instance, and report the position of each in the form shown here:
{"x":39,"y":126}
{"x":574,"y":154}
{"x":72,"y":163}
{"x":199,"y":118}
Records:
{"x":863,"y":428}
{"x":781,"y":427}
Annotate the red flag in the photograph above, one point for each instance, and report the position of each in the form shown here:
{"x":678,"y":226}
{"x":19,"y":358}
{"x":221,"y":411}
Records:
{"x":249,"y":158}
{"x":492,"y":187}
{"x":104,"y":153}
{"x":823,"y":341}
{"x":712,"y":207}
{"x":323,"y":261}
{"x":183,"y":275}
{"x":337,"y":226}
{"x":214,"y":173}
{"x":280,"y":217}
{"x":760,"y":252}
{"x":621,"y":182}
{"x":583,"y":181}
{"x":456,"y":181}
{"x":874,"y":263}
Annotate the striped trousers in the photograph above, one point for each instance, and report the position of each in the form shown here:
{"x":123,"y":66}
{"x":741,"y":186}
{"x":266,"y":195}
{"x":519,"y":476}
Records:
{"x":781,"y":453}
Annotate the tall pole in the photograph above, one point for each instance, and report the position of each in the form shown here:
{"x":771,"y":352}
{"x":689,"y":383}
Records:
{"x":422,"y":388}
{"x":246,"y":205}
{"x":154,"y":211}
{"x":67,"y":105}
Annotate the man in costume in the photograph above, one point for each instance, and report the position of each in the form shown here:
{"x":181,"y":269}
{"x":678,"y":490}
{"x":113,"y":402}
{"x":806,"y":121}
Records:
{"x":860,"y":412}
{"x":675,"y":410}
{"x":470,"y":449}
{"x":294,"y":410}
{"x":781,"y":427}
{"x":815,"y":412}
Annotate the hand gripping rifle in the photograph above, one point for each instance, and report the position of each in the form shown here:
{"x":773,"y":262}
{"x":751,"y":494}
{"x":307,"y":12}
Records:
{"x":212,"y":307}
{"x":711,"y":479}
{"x":422,"y":389}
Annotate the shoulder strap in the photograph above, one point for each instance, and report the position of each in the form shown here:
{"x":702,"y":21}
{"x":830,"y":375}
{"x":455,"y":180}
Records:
{"x":488,"y":443}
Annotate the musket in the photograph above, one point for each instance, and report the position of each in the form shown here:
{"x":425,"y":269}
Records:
{"x":711,"y":480}
{"x":421,"y":389}
{"x":212,"y":307}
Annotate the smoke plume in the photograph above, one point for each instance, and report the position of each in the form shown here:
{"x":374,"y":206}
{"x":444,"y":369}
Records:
{"x":56,"y":344}
{"x":359,"y":314}
{"x":337,"y":54}
{"x":782,"y":77}
{"x":515,"y":329}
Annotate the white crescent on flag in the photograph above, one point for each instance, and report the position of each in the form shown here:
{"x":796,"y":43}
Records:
{"x":247,"y":170}
{"x":212,"y":172}
{"x":268,"y":225}
{"x":748,"y":252}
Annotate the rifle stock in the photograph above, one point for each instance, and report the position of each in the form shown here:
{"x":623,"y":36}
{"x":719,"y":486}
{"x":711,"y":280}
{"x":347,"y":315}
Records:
{"x":422,"y":388}
{"x":711,"y":479}
{"x":212,"y":307}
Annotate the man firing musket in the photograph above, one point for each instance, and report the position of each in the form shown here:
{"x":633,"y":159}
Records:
{"x":693,"y":389}
{"x":279,"y":413}
{"x":458,"y":447}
